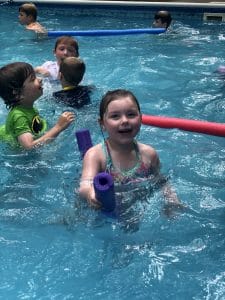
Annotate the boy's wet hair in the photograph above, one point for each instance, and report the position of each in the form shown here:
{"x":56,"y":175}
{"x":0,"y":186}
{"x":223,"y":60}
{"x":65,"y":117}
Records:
{"x":115,"y":95}
{"x":72,"y":69}
{"x":12,"y":78}
{"x":68,"y":40}
{"x":165,"y":17}
{"x":29,"y":9}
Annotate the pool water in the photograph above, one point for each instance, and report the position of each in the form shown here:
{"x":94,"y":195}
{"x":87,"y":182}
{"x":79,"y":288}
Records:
{"x":54,"y":247}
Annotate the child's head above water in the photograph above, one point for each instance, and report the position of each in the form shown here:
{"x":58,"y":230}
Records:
{"x":72,"y":70}
{"x":66,"y":46}
{"x":162,"y":19}
{"x":28,"y":18}
{"x":12,"y":78}
{"x":28,"y":10}
{"x":115,"y":95}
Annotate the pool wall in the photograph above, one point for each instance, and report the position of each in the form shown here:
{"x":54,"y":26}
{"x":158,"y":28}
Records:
{"x":218,"y":7}
{"x":127,"y":3}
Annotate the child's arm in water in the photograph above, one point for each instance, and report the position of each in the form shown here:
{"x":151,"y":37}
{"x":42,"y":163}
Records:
{"x":172,"y":202}
{"x":42,"y":71}
{"x":171,"y":199}
{"x":27,"y":141}
{"x":92,"y":165}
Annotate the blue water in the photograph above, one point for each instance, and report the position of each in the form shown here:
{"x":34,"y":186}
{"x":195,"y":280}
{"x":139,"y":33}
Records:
{"x":54,"y":247}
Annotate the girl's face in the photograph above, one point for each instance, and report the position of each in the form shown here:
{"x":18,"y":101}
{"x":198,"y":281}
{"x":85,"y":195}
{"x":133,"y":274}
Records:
{"x":122,"y":120}
{"x":32,"y":90}
{"x":64,"y":50}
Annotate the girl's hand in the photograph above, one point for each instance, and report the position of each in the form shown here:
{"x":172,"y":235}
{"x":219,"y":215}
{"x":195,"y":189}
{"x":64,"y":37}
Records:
{"x":173,"y":205}
{"x":87,"y":192}
{"x":92,"y":201}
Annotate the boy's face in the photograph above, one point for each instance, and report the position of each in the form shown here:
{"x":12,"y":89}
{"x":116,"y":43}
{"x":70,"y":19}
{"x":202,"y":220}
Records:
{"x":64,"y":50}
{"x":158,"y":23}
{"x":32,"y":89}
{"x":24,"y":19}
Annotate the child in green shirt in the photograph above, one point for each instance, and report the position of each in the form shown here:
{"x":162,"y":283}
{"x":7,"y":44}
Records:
{"x":20,"y":88}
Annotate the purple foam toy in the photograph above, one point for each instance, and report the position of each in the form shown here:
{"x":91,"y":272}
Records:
{"x":221,"y":70}
{"x":83,"y":140}
{"x":104,"y":189}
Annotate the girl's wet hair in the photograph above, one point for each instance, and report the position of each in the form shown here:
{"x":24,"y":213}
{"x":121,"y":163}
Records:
{"x":115,"y":95}
{"x":12,"y":78}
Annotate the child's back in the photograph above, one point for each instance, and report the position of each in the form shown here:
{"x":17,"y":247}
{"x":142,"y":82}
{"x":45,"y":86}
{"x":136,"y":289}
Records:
{"x":71,"y":73}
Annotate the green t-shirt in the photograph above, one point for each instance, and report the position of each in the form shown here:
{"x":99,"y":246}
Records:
{"x":21,"y":120}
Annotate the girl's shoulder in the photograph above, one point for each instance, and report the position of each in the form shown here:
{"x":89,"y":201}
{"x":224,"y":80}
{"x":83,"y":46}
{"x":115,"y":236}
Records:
{"x":146,"y":149}
{"x":95,"y":152}
{"x":148,"y":153}
{"x":94,"y":157}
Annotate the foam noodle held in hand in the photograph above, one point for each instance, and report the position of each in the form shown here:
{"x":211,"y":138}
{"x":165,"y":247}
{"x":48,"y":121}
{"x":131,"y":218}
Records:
{"x":83,"y":140}
{"x":104,"y":189}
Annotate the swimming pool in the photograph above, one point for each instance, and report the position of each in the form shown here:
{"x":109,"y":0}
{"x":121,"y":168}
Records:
{"x":52,"y":248}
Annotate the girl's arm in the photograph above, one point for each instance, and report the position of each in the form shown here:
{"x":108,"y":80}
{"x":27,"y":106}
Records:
{"x":172,"y":202}
{"x":171,"y":198}
{"x":27,"y":141}
{"x":168,"y":192}
{"x":92,"y":162}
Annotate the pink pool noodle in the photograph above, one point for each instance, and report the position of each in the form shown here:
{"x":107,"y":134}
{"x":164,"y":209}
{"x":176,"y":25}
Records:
{"x":211,"y":128}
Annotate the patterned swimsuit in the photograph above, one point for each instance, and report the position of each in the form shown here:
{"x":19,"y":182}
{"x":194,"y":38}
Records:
{"x":134,"y":174}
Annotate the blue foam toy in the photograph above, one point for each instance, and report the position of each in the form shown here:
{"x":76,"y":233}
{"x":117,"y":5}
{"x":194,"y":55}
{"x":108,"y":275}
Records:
{"x":83,"y":140}
{"x":106,"y":32}
{"x":104,"y":189}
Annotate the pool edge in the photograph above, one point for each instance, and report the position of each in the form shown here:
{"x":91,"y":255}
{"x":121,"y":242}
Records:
{"x":128,"y":3}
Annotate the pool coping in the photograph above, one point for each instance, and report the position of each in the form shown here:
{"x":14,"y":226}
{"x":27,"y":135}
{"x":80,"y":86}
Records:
{"x":130,"y":3}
